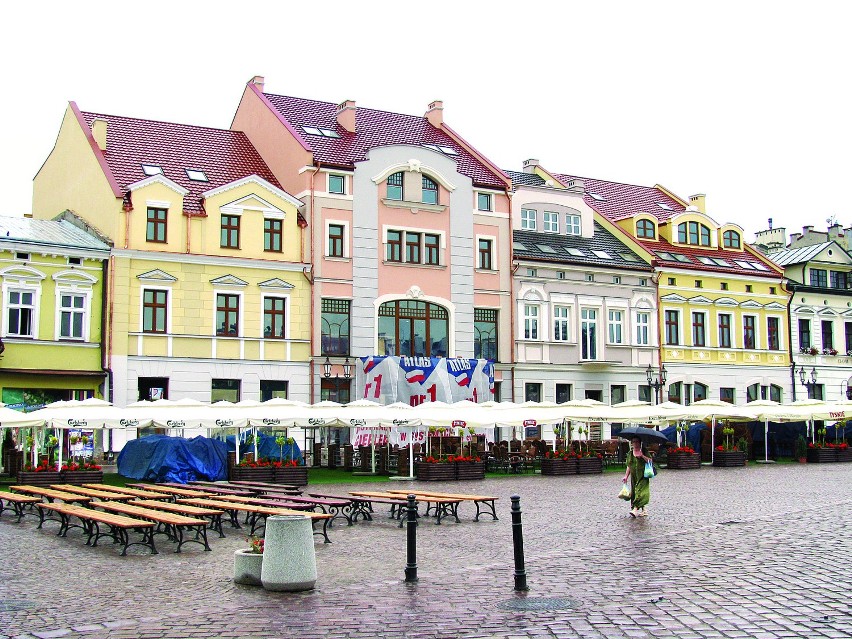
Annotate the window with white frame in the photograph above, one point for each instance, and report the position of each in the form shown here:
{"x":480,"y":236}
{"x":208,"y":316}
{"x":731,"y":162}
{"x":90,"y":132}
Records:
{"x":155,"y":310}
{"x":573,"y":225}
{"x":485,"y":254}
{"x":528,"y":219}
{"x":589,"y":333}
{"x":561,"y":323}
{"x":275,"y":317}
{"x":336,"y":242}
{"x":73,"y":309}
{"x":336,"y":184}
{"x":530,"y":321}
{"x":20,"y":312}
{"x":615,"y":327}
{"x":643,"y":321}
{"x":551,"y":222}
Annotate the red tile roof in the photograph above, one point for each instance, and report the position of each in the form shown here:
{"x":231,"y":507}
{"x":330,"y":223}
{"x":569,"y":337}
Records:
{"x":374,"y":129}
{"x":224,"y":156}
{"x":694,"y":252}
{"x":626,"y":200}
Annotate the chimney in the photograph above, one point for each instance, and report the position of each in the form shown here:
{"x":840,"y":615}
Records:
{"x":435,"y":113}
{"x":258,"y":81}
{"x":806,"y":230}
{"x":697,"y":201}
{"x":834,"y":231}
{"x":794,"y":237}
{"x":99,"y":131}
{"x":529,"y":165}
{"x":346,"y":115}
{"x":770,"y":223}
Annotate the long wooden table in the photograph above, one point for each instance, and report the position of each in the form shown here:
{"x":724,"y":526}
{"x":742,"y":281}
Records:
{"x":484,"y":503}
{"x":135,"y":492}
{"x":171,"y":490}
{"x":444,"y":506}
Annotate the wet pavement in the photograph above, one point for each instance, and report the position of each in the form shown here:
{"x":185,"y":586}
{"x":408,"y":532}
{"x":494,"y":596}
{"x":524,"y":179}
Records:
{"x":762,"y":552}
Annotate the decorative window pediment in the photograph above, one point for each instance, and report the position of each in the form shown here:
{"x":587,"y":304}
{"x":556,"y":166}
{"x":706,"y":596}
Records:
{"x":156,"y":275}
{"x":700,"y":299}
{"x":253,"y":203}
{"x":751,"y":304}
{"x":774,"y":306}
{"x":22,"y":273}
{"x":726,"y":301}
{"x":644,"y":303}
{"x":828,"y":311}
{"x":74,"y":279}
{"x":253,"y":179}
{"x":673,"y":298}
{"x":159,"y":179}
{"x":804,"y":310}
{"x":276,"y":283}
{"x":228,"y":280}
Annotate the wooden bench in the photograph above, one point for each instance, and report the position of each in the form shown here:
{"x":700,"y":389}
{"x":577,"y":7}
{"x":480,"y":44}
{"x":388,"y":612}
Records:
{"x":484,"y":504}
{"x":170,"y":524}
{"x":214,"y":515}
{"x":333,"y":506}
{"x":51,"y":494}
{"x":133,"y":492}
{"x":94,"y":493}
{"x":444,"y":506}
{"x":91,"y":519}
{"x":171,"y":490}
{"x":16,"y":503}
{"x":258,"y":514}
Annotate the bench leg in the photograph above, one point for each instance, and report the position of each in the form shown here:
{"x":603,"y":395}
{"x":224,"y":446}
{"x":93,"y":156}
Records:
{"x":324,"y":531}
{"x":487,"y":508}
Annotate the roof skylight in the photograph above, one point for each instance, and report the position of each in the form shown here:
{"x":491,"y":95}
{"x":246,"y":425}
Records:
{"x":706,"y":260}
{"x":448,"y":150}
{"x":681,"y":258}
{"x":603,"y":255}
{"x":519,"y":247}
{"x":747,"y":265}
{"x":664,"y":206}
{"x":720,"y":261}
{"x":196,"y":175}
{"x":629,"y":257}
{"x":599,"y":198}
{"x":575,"y":251}
{"x":666,"y":256}
{"x":544,"y":248}
{"x":152,"y":169}
{"x":326,"y":133}
{"x":759,"y":266}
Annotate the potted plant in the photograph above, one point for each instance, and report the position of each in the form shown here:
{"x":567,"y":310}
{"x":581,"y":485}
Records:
{"x":589,"y":462}
{"x":434,"y":469}
{"x":559,"y":462}
{"x":801,"y":449}
{"x":77,"y":474}
{"x":290,"y":472}
{"x":468,"y":467}
{"x":727,"y":455}
{"x":844,"y":454}
{"x":818,"y":451}
{"x":248,"y":562}
{"x":683,"y":458}
{"x":43,"y":474}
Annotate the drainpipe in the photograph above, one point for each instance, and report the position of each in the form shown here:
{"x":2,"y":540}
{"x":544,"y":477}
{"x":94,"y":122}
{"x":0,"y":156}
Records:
{"x":515,"y":267}
{"x":656,"y":279}
{"x":313,"y":323}
{"x":790,"y":337}
{"x":106,"y":335}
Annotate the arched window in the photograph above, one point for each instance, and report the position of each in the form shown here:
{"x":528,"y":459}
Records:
{"x":411,"y":328}
{"x":430,"y":191}
{"x":395,"y":186}
{"x":646,"y":229}
{"x":731,"y":239}
{"x":693,"y":233}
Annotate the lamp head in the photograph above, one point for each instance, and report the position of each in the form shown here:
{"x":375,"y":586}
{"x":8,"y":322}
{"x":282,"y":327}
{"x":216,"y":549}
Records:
{"x":326,"y":368}
{"x":649,"y":373}
{"x":347,"y":368}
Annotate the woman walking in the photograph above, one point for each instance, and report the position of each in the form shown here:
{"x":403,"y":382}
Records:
{"x":640,"y":493}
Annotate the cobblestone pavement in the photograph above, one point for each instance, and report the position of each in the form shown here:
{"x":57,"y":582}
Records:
{"x":759,"y":552}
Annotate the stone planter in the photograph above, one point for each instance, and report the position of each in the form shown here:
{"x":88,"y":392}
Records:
{"x":80,"y":477}
{"x":821,"y":455}
{"x":684,"y":461}
{"x":844,"y":455}
{"x":425,"y":471}
{"x":45,"y":478}
{"x":247,"y":567}
{"x":290,"y":562}
{"x":729,"y":458}
{"x":559,"y":466}
{"x":589,"y":465}
{"x":247,"y":473}
{"x":293,"y":475}
{"x":469,"y":470}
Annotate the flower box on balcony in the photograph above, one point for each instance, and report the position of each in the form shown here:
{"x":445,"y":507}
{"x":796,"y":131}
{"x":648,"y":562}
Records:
{"x":684,"y":461}
{"x":821,"y":455}
{"x":729,"y":458}
{"x":557,"y":466}
{"x":470,"y":470}
{"x":428,"y":471}
{"x":589,"y":465}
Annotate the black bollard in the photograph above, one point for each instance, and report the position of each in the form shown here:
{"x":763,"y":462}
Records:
{"x":518,"y":542}
{"x":411,"y":566}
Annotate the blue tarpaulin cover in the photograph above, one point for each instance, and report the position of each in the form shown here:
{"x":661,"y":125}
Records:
{"x":162,"y":458}
{"x":267,"y":448}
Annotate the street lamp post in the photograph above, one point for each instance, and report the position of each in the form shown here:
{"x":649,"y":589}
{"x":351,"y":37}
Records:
{"x":656,"y":381}
{"x":347,"y":375}
{"x":810,"y":383}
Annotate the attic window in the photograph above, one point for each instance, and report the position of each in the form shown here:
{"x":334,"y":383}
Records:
{"x":666,"y":256}
{"x":759,"y":266}
{"x":706,"y":260}
{"x":446,"y":150}
{"x":519,"y":247}
{"x":720,"y":262}
{"x":603,"y":255}
{"x":747,"y":265}
{"x":681,"y":258}
{"x":152,"y":169}
{"x":25,"y":257}
{"x":75,"y":261}
{"x":599,"y":198}
{"x":629,"y":257}
{"x":196,"y":175}
{"x":575,"y":251}
{"x":664,"y":206}
{"x":326,"y":133}
{"x":544,"y":248}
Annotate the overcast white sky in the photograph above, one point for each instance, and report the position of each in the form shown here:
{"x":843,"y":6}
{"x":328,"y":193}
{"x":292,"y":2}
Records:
{"x":748,"y":102}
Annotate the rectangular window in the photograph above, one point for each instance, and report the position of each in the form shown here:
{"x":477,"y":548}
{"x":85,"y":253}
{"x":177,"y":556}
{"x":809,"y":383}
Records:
{"x":530,"y":321}
{"x":749,"y":338}
{"x":698,"y":332}
{"x":643,"y":321}
{"x":561,"y":323}
{"x":336,"y":184}
{"x":827,"y":330}
{"x":339,"y":391}
{"x":335,"y":240}
{"x":485,"y":333}
{"x":573,"y":225}
{"x":412,"y":248}
{"x":429,"y":191}
{"x":483,"y":201}
{"x":848,"y":338}
{"x":72,"y":316}
{"x":273,"y":317}
{"x":589,"y":333}
{"x":227,"y":390}
{"x":21,"y":310}
{"x":617,"y":394}
{"x":672,"y":281}
{"x":672,"y":327}
{"x":272,"y":389}
{"x":528,"y":219}
{"x":615,"y":327}
{"x":230,"y":232}
{"x":551,"y":222}
{"x":335,"y":327}
{"x":838,"y":279}
{"x":644,"y":393}
{"x":431,"y":246}
{"x":699,"y":284}
{"x":485,"y":255}
{"x":804,"y":333}
{"x":156,"y":227}
{"x":394,"y":246}
{"x":532,"y":392}
{"x":819,"y":277}
{"x":773,"y":338}
{"x":726,"y":395}
{"x":395,"y":182}
{"x":227,"y":315}
{"x":154,"y":311}
{"x":563,"y":393}
{"x":724,"y":330}
{"x":272,"y":233}
{"x":724,"y":286}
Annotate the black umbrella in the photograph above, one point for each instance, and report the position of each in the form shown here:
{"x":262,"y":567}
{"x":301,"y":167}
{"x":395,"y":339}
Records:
{"x":647,"y":435}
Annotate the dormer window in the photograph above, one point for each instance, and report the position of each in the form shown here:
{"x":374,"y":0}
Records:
{"x":693,"y":233}
{"x":731,"y":239}
{"x":395,"y":186}
{"x":646,"y":229}
{"x":430,"y":191}
{"x":528,"y":219}
{"x":551,"y":222}
{"x":152,"y":169}
{"x":573,"y":225}
{"x":196,"y":175}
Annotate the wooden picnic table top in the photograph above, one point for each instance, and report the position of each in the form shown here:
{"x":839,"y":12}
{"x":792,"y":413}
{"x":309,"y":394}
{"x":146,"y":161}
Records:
{"x":50,"y":493}
{"x":401,"y":498}
{"x":134,"y":492}
{"x":172,"y":490}
{"x":183,"y":509}
{"x":431,"y":493}
{"x":261,"y":510}
{"x":95,"y":493}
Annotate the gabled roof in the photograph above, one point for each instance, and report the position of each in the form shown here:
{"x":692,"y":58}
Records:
{"x":48,"y":233}
{"x":785,"y":257}
{"x":553,"y":247}
{"x":374,"y":128}
{"x":223,"y":155}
